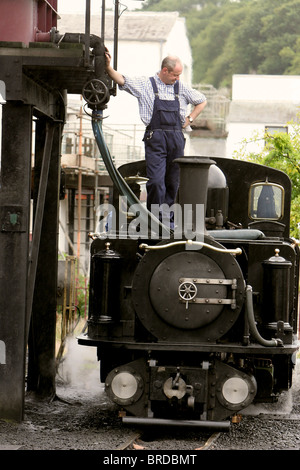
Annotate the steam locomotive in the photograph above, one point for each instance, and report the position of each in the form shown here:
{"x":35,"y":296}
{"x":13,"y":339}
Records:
{"x":194,"y":324}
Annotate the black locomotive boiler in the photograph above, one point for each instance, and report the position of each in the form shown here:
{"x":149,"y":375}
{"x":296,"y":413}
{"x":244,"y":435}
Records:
{"x":194,"y":329}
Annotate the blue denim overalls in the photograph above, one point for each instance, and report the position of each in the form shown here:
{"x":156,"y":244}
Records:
{"x":164,"y":141}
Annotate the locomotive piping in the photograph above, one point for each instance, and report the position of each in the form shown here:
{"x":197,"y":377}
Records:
{"x":250,"y":315}
{"x":117,"y":179}
{"x":95,"y":42}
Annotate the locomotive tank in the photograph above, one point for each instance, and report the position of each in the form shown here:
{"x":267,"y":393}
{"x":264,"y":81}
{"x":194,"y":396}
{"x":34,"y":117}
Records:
{"x":196,"y":332}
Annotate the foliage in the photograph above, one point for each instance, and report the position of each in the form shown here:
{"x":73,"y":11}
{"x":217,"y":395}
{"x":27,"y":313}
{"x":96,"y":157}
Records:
{"x":282,"y":151}
{"x":238,"y":37}
{"x":82,"y":295}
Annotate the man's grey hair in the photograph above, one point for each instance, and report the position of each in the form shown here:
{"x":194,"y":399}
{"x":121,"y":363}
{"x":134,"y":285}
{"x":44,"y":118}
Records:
{"x":170,"y":62}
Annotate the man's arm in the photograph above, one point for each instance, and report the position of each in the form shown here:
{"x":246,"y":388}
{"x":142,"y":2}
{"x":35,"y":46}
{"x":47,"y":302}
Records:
{"x":113,"y":74}
{"x":196,"y":111}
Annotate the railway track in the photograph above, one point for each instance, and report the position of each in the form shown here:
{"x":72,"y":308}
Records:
{"x":193,"y":442}
{"x":136,"y":442}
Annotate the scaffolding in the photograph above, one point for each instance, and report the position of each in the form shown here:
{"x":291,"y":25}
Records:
{"x":66,"y":302}
{"x":214,"y":116}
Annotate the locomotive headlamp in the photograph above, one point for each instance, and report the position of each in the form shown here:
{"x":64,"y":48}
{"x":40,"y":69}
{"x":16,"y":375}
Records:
{"x":124,"y":386}
{"x":237,"y":392}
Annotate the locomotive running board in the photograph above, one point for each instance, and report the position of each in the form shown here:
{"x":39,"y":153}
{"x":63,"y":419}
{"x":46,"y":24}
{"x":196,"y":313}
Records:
{"x":215,"y":425}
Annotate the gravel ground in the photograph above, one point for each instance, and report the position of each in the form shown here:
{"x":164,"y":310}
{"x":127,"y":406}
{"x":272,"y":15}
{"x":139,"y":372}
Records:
{"x":82,"y":418}
{"x":79,"y":418}
{"x":267,"y":427}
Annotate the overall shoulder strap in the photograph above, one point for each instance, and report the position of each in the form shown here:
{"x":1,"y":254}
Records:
{"x":176,"y":89}
{"x":154,"y":85}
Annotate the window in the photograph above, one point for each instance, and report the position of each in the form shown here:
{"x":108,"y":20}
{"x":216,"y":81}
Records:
{"x":266,"y":201}
{"x":274,"y":129}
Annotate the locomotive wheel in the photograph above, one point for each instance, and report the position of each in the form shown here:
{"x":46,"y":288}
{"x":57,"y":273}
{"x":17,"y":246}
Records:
{"x":95,"y":92}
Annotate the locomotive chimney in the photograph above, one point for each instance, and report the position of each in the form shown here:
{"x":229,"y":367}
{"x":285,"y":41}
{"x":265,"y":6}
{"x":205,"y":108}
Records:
{"x":192,"y":194}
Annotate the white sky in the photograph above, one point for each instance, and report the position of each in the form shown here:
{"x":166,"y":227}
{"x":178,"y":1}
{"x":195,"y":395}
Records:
{"x":78,"y":6}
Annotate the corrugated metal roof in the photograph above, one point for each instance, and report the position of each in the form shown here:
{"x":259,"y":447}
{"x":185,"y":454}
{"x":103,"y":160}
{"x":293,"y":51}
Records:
{"x":133,"y":26}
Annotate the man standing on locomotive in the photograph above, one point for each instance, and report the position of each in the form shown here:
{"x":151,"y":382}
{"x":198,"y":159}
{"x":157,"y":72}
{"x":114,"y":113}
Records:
{"x":163,"y":102}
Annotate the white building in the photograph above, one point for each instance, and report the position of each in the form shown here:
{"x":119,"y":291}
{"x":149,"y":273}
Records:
{"x":260,"y":102}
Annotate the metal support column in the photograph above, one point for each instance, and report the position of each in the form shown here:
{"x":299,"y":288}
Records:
{"x":42,"y":367}
{"x":14,"y":250}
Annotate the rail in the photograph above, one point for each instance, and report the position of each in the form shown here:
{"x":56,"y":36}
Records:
{"x":190,"y":243}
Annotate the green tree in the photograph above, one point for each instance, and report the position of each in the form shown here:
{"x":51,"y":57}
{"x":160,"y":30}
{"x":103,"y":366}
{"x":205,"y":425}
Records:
{"x":294,"y":68}
{"x":211,"y":47}
{"x":230,"y":37}
{"x":280,"y":30}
